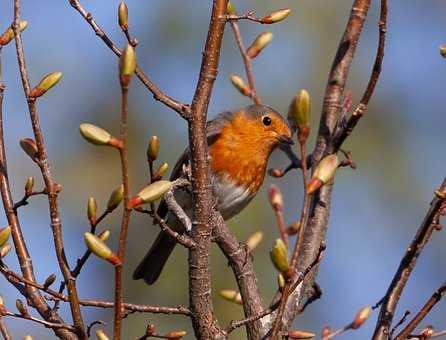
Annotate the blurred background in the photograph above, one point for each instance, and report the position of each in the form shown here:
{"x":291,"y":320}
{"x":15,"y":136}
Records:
{"x":398,"y":146}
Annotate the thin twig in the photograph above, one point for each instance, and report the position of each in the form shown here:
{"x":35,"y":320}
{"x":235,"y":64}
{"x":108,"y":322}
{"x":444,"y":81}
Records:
{"x":50,"y":185}
{"x":47,"y":324}
{"x":123,"y":153}
{"x":236,"y":324}
{"x":433,"y":300}
{"x":182,"y":109}
{"x":399,"y":323}
{"x":6,"y":334}
{"x":406,"y":267}
{"x":24,"y":200}
{"x":247,"y":61}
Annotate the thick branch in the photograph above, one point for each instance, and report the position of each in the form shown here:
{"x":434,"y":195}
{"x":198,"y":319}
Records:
{"x":205,"y":325}
{"x":406,"y":266}
{"x":319,"y":208}
{"x":240,"y":261}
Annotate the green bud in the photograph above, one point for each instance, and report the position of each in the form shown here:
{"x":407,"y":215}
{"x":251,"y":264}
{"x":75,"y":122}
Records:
{"x":280,"y":281}
{"x":123,"y":16}
{"x":231,"y":9}
{"x":259,"y":44}
{"x":101,"y":335}
{"x":30,"y":147}
{"x":27,"y":337}
{"x":50,"y":80}
{"x":361,"y":317}
{"x":49,"y":281}
{"x":323,"y":173}
{"x":21,"y":308}
{"x":279,"y":256}
{"x":276,"y":16}
{"x":175,"y":335}
{"x":116,"y":198}
{"x":151,"y":193}
{"x":275,"y":198}
{"x":5,"y":250}
{"x":299,"y":114}
{"x":298,"y":334}
{"x":161,"y":171}
{"x":8,"y":35}
{"x":92,"y":208}
{"x":254,"y":240}
{"x":94,"y":134}
{"x":153,"y":148}
{"x":231,"y":296}
{"x":100,"y":249}
{"x":104,"y":235}
{"x":240,"y":85}
{"x":127,"y":65}
{"x":443,"y":51}
{"x":29,"y":185}
{"x":4,"y":235}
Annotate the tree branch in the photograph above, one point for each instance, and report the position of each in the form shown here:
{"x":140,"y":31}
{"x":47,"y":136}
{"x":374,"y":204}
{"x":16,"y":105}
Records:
{"x":406,"y":266}
{"x":182,"y":109}
{"x":203,"y":320}
{"x":51,"y":186}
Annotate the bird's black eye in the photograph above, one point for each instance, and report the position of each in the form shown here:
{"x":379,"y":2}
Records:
{"x":266,"y":121}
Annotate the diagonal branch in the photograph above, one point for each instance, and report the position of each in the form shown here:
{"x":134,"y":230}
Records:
{"x":50,"y":184}
{"x":407,"y":265}
{"x":182,"y":109}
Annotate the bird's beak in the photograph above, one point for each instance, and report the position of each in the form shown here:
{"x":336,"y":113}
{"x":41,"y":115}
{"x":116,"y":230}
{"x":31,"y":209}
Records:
{"x":285,"y":140}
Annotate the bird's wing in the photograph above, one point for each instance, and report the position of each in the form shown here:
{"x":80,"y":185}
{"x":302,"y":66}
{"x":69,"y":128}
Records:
{"x":213,"y":128}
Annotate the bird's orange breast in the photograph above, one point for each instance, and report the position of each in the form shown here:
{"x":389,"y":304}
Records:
{"x":239,"y":155}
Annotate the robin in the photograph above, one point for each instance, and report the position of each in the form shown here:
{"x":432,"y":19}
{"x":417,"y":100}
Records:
{"x":240,"y":143}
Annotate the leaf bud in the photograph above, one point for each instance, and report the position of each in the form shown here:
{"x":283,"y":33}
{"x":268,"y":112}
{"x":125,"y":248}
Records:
{"x":100,"y":249}
{"x":299,"y":114}
{"x":95,"y":134}
{"x":262,"y":40}
{"x":150,"y":193}
{"x":298,"y":334}
{"x":5,"y":250}
{"x":92,"y":208}
{"x":104,"y":235}
{"x":100,"y":335}
{"x":161,"y":171}
{"x":123,"y":16}
{"x":127,"y":65}
{"x":175,"y":335}
{"x":254,"y":240}
{"x":50,"y":80}
{"x":21,"y":308}
{"x":275,"y":198}
{"x":153,"y":148}
{"x":279,"y":257}
{"x":49,"y":281}
{"x":8,"y":35}
{"x":361,"y":317}
{"x":116,"y":198}
{"x":29,"y":185}
{"x":231,"y":296}
{"x":240,"y":85}
{"x":231,"y":9}
{"x":4,"y":235}
{"x":30,"y":147}
{"x":276,"y":16}
{"x":323,"y":173}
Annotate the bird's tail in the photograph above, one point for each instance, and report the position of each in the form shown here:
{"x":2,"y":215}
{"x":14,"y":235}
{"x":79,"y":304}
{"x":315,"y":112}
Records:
{"x":153,"y":263}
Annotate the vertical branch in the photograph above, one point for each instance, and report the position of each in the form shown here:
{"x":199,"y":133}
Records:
{"x":203,"y":320}
{"x":406,"y":267}
{"x":318,"y":208}
{"x":50,"y":184}
{"x":119,"y":310}
{"x":21,"y":250}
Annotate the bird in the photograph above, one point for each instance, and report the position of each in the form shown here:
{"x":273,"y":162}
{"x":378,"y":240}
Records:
{"x":240,"y":143}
